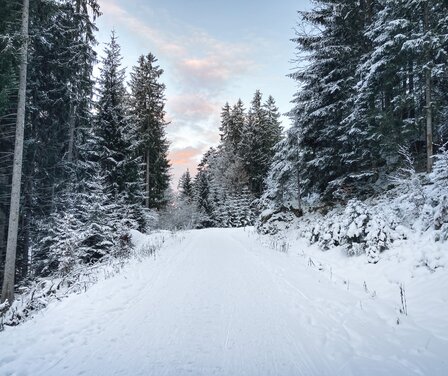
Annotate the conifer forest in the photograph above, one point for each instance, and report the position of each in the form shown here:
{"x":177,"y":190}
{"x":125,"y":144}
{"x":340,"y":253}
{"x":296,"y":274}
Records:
{"x":303,"y":240}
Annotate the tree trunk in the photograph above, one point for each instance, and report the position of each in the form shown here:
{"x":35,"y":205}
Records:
{"x":428,"y":88}
{"x":71,"y":136}
{"x":14,"y":212}
{"x":2,"y":242}
{"x":429,"y":136}
{"x":299,"y":191}
{"x":147,"y":179}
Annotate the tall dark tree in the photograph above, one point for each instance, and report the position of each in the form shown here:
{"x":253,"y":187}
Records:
{"x":60,"y":108}
{"x":113,"y":129}
{"x":332,"y":44}
{"x":148,"y":108}
{"x":402,"y":80}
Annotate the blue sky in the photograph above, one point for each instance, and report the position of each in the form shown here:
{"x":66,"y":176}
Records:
{"x":212,"y":52}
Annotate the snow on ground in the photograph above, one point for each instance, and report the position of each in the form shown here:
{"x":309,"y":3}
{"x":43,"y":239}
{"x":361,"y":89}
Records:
{"x":218,"y":302}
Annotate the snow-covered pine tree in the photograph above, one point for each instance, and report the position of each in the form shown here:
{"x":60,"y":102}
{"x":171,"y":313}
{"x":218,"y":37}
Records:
{"x":148,"y":109}
{"x":402,"y":80}
{"x":224,"y":128}
{"x":224,"y":164}
{"x":210,"y":196}
{"x":87,"y":227}
{"x":273,"y":125}
{"x":235,"y":122}
{"x":261,"y":132}
{"x":328,"y":51}
{"x":60,"y":92}
{"x":283,"y":188}
{"x":116,"y":141}
{"x":204,"y":199}
{"x":185,"y":187}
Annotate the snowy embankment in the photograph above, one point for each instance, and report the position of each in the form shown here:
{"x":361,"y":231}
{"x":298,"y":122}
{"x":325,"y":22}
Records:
{"x":43,"y":291}
{"x":219,"y":302}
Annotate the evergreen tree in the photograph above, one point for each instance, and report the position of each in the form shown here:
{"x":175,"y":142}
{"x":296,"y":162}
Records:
{"x":59,"y":115}
{"x":115,"y":140}
{"x":283,"y":187}
{"x":333,"y":50}
{"x":261,"y":132}
{"x":148,"y":103}
{"x":185,"y":187}
{"x":402,"y":81}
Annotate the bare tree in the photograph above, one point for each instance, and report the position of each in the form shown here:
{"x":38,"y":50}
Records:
{"x":11,"y":247}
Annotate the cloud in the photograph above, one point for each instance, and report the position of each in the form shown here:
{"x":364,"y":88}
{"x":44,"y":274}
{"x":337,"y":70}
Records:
{"x":183,"y":159}
{"x":196,"y":56}
{"x":191,"y":106}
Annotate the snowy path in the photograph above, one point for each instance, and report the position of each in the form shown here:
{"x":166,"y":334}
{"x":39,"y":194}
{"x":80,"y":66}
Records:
{"x":218,"y":303}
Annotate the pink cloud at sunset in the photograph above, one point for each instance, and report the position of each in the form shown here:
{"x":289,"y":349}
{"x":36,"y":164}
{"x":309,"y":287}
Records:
{"x":183,"y":159}
{"x":192,"y":106}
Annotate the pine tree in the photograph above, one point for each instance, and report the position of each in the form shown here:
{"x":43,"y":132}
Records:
{"x":59,"y":107}
{"x":273,"y":125}
{"x":261,"y":132}
{"x":283,"y":186}
{"x":333,"y":50}
{"x":148,"y":103}
{"x":115,"y":140}
{"x":185,"y":187}
{"x":403,"y":79}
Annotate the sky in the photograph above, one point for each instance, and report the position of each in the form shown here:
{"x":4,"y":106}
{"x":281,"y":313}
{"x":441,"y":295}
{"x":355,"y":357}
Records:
{"x":211,"y":53}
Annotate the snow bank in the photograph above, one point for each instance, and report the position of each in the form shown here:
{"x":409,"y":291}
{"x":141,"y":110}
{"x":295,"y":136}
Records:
{"x":40,"y":293}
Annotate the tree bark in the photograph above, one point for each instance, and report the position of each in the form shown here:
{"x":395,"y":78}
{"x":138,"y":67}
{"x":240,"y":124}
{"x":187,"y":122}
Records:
{"x":428,"y":89}
{"x":147,"y":179}
{"x":11,"y":247}
{"x":299,"y":191}
{"x":429,"y":135}
{"x":71,"y":136}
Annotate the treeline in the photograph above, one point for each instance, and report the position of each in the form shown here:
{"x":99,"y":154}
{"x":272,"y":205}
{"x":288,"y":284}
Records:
{"x":231,"y":177}
{"x":373,"y":85}
{"x":94,"y":165}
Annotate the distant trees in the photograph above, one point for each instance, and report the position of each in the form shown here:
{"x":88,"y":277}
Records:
{"x":231,"y":177}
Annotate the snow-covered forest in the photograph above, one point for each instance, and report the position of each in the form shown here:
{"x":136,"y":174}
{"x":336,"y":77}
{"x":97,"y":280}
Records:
{"x":333,"y":228}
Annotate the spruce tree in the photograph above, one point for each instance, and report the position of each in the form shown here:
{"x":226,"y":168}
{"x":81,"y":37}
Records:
{"x":261,"y":132}
{"x":114,"y":136}
{"x":401,"y":94}
{"x":60,"y":103}
{"x":185,"y":187}
{"x":148,"y":109}
{"x":333,"y":48}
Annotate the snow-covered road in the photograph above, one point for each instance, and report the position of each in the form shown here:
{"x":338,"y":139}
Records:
{"x":218,"y":303}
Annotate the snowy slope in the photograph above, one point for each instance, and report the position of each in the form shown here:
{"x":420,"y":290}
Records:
{"x":217,"y":302}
